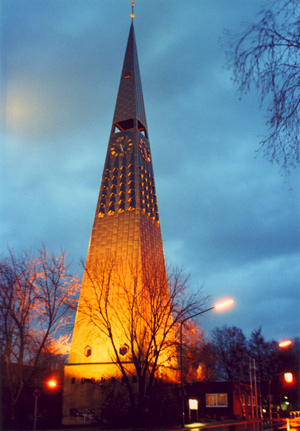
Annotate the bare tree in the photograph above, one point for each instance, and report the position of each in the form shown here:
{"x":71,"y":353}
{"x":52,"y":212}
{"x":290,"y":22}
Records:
{"x":266,"y":56}
{"x":265,"y":355}
{"x":192,"y":343}
{"x":266,"y":362}
{"x":37,"y":298}
{"x":199,"y":359}
{"x":231,"y":350}
{"x":143,"y":308}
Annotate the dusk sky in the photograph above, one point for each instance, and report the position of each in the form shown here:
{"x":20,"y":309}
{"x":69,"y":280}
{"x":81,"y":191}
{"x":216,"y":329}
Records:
{"x":227,"y":215}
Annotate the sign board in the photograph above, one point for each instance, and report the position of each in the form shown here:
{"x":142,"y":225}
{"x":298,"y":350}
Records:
{"x":193,"y":404}
{"x":36,"y":393}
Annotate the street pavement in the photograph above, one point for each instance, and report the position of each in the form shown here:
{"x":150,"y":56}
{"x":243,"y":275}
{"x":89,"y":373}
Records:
{"x":222,"y":425}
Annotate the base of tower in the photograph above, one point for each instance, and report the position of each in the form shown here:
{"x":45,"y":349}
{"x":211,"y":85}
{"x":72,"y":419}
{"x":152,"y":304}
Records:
{"x":92,"y":391}
{"x":86,"y":388}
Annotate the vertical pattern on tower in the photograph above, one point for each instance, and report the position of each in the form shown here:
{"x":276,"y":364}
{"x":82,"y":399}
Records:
{"x":126,"y":224}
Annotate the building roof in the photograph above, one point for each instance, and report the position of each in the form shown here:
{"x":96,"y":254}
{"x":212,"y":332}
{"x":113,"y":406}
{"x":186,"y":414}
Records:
{"x":130,"y":101}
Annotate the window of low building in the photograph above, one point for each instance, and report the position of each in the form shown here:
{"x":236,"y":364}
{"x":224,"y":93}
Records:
{"x":216,"y":400}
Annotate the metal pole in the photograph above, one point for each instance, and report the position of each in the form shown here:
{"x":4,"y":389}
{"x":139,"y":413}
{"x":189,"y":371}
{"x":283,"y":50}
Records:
{"x":181,"y":368}
{"x":251,"y":389}
{"x":35,"y":413}
{"x":270,"y":409}
{"x":181,"y":380}
{"x":255,"y":389}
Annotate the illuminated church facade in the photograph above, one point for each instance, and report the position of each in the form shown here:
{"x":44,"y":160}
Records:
{"x":125,"y":243}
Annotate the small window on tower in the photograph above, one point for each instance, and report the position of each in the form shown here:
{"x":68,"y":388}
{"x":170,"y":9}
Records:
{"x":132,"y":205}
{"x":131,"y":170}
{"x":121,"y":206}
{"x":87,"y":351}
{"x":124,"y":349}
{"x":142,"y":129}
{"x":120,"y":126}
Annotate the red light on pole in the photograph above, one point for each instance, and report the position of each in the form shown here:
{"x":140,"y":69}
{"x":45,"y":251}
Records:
{"x":288,"y":377}
{"x":52,"y":384}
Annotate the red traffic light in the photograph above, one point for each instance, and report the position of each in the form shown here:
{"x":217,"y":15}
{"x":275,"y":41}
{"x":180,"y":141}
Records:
{"x":288,"y":377}
{"x":52,"y":384}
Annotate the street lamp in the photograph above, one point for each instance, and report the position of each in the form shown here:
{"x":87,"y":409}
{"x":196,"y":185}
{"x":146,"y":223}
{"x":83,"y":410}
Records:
{"x":288,"y":377}
{"x":52,"y":383}
{"x":285,"y":343}
{"x":288,"y":343}
{"x":218,"y":306}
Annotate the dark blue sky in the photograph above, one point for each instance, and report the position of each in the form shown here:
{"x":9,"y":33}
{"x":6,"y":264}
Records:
{"x":226,"y":215}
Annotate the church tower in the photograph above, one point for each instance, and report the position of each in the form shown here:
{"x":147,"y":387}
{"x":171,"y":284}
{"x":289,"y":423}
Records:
{"x":126,"y":231}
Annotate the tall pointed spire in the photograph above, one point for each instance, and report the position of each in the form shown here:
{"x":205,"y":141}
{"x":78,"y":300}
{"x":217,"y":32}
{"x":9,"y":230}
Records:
{"x":126,"y":229}
{"x":130,"y":101}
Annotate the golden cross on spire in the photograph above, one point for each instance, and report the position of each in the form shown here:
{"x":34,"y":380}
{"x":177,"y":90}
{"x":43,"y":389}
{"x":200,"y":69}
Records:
{"x":132,"y":9}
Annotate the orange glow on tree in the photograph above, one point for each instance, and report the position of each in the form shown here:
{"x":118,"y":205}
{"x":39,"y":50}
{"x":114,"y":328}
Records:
{"x":39,"y":296}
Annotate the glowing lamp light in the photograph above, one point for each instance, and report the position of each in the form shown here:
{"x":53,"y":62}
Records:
{"x":288,"y":377}
{"x":52,"y":384}
{"x":223,"y":304}
{"x":285,"y":343}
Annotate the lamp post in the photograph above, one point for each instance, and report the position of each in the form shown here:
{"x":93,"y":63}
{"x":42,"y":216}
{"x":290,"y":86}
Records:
{"x":36,"y":394}
{"x":283,"y":345}
{"x":222,"y":304}
{"x":288,"y":377}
